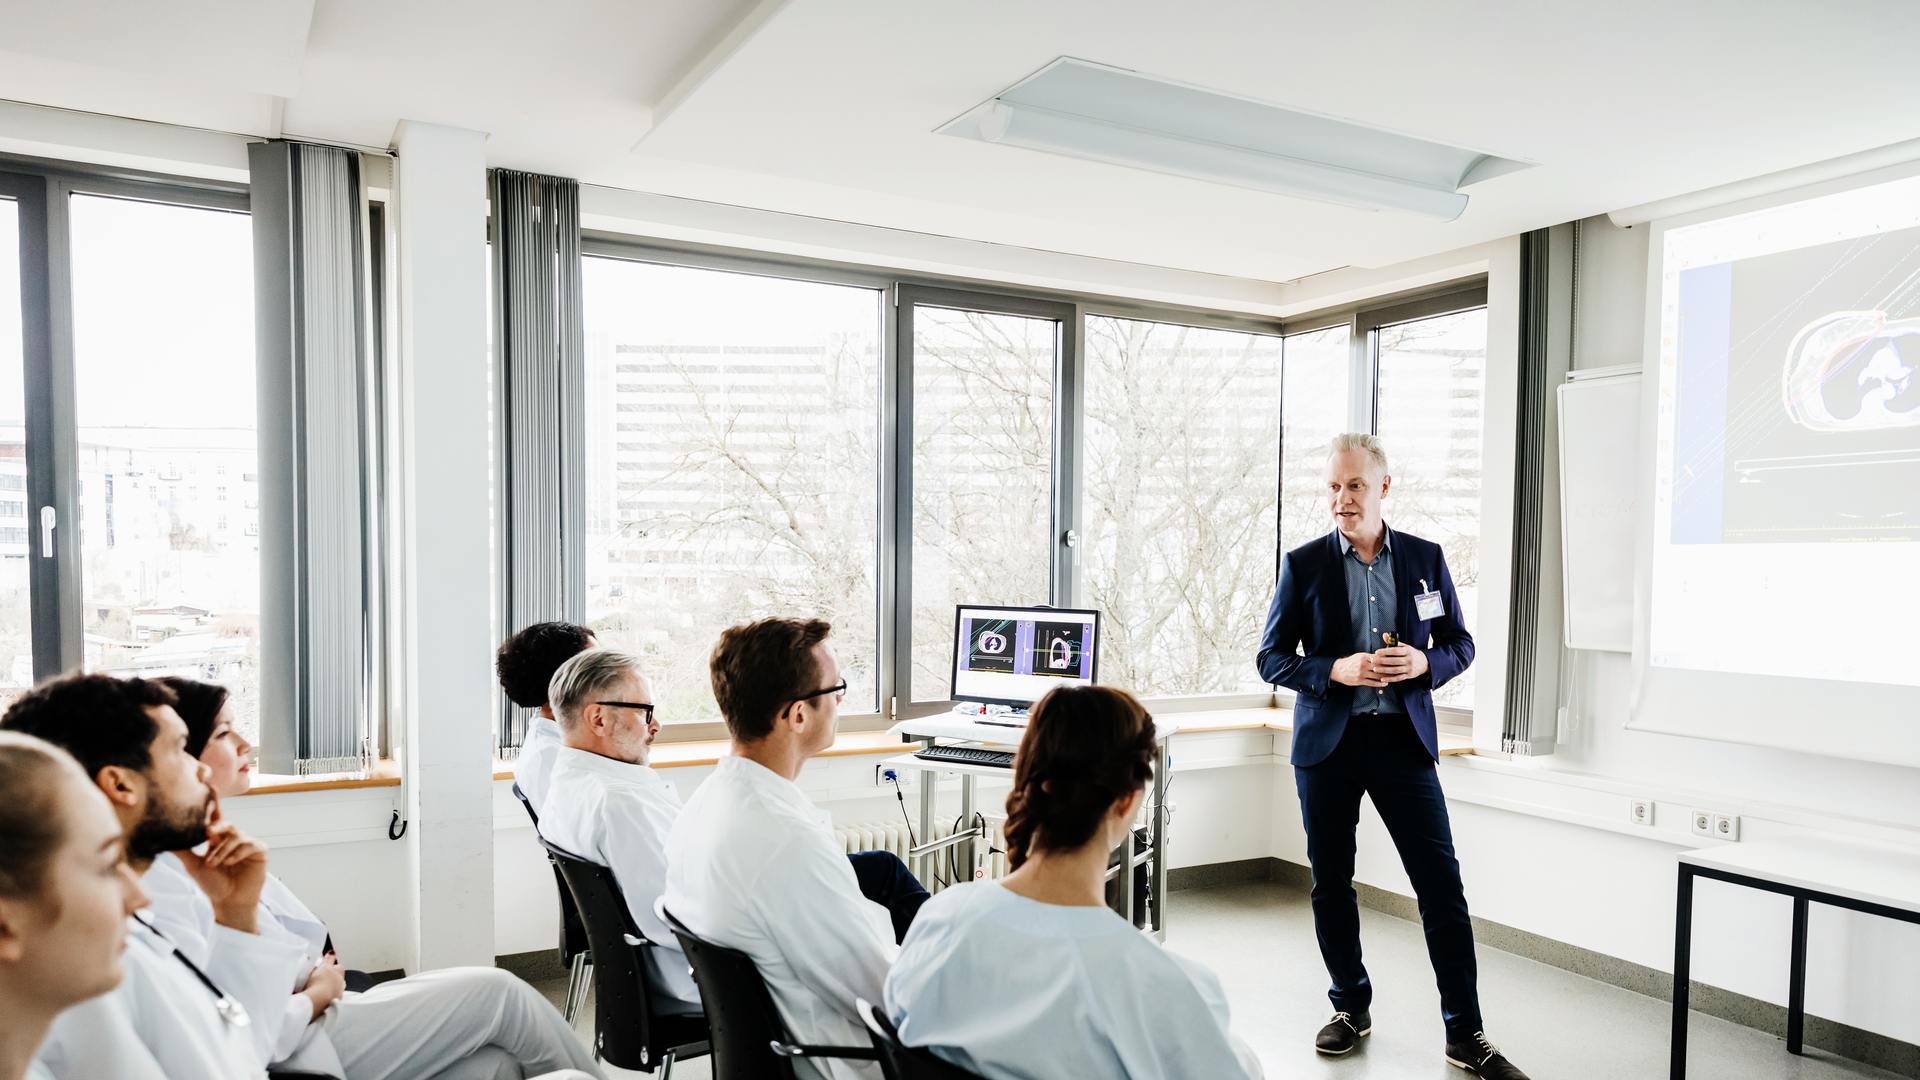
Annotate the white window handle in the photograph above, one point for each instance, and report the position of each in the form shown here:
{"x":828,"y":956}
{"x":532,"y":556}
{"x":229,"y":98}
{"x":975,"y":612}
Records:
{"x":46,"y":532}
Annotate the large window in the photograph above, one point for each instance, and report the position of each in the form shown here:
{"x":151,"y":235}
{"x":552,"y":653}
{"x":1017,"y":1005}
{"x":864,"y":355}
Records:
{"x":876,"y":452}
{"x":16,"y":627}
{"x":982,"y":473}
{"x":1432,"y":378}
{"x":1317,"y":409}
{"x":164,"y":371}
{"x":1181,"y":481}
{"x":731,"y":466}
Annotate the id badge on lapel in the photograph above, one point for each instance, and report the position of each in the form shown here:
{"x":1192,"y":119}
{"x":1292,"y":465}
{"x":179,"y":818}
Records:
{"x":1427,"y":604}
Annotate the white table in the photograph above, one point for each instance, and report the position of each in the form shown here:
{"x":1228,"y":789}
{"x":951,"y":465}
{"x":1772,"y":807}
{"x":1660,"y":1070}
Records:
{"x":1879,"y":879}
{"x":1001,"y":736}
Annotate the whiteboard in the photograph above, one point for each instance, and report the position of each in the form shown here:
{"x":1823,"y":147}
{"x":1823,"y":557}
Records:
{"x":1599,"y":505}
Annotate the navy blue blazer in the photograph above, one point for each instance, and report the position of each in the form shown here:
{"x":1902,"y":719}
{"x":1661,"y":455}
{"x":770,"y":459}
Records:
{"x":1309,"y":627}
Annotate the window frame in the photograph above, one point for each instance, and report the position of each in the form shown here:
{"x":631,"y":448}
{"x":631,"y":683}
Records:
{"x":1364,"y":320}
{"x":900,"y":293}
{"x":42,"y":189}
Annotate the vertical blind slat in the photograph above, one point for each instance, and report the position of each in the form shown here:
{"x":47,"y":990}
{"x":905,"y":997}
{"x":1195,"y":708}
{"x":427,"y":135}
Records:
{"x":330,"y":463}
{"x":539,"y":346}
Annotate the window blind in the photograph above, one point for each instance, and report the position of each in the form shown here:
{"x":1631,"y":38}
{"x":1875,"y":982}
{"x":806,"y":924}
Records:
{"x":539,"y":368}
{"x":315,"y":457}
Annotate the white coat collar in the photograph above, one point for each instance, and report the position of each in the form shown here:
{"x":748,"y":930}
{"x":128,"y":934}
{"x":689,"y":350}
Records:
{"x":588,"y":761}
{"x":766,"y":782}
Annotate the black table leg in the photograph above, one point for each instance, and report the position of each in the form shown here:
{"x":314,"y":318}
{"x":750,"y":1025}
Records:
{"x":1682,"y":962}
{"x":1797,"y":978}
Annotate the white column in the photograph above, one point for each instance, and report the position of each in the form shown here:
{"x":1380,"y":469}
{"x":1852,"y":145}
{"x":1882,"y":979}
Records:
{"x":440,"y":191}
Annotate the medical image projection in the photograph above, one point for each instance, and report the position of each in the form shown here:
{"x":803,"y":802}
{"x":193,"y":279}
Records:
{"x":1057,"y":649}
{"x":1787,"y":485}
{"x":1013,"y":656}
{"x":991,"y":645}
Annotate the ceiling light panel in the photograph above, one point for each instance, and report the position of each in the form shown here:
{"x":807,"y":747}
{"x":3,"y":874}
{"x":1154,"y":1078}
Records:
{"x":1091,"y":111}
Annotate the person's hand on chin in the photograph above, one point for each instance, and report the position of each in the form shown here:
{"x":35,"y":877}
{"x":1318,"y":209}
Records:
{"x":231,"y":873}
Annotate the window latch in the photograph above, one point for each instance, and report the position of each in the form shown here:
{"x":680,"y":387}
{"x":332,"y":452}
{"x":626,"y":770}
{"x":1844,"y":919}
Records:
{"x":46,"y":532}
{"x":1071,"y":539}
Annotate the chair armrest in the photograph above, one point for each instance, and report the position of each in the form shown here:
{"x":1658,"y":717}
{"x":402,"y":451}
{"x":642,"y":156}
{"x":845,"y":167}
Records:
{"x":797,"y":1050}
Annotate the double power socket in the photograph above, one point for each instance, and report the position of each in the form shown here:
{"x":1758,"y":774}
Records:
{"x":1699,"y":822}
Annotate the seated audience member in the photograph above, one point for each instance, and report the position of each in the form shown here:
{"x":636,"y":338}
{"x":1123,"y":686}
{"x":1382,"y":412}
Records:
{"x":467,"y":1022}
{"x":525,"y":664}
{"x":605,"y":805}
{"x":752,"y":865}
{"x":1033,"y":977}
{"x":171,"y":1017}
{"x":65,"y":894}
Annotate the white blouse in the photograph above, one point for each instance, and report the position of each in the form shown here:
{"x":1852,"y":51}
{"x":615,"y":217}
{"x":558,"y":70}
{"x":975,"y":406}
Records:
{"x":1014,"y":989}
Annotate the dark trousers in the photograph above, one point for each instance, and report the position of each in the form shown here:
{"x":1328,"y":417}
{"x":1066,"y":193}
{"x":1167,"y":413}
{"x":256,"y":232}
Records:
{"x":1382,"y":758}
{"x":886,"y":881}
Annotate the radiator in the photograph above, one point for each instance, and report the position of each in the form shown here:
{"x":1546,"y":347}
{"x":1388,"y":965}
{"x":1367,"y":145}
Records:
{"x":892,"y":836}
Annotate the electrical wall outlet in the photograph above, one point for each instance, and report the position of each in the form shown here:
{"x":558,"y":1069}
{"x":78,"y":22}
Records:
{"x":886,"y":776}
{"x":1700,"y":822}
{"x":1640,"y":811}
{"x":1726,"y":826}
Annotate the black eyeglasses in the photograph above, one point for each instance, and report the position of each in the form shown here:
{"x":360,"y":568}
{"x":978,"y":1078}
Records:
{"x":630,"y":705}
{"x":840,"y":690}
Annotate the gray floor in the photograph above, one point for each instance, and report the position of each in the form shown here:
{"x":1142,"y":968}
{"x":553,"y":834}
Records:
{"x":1553,"y":1024}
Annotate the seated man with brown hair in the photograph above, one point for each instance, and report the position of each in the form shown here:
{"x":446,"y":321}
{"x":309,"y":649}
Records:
{"x":753,"y":865}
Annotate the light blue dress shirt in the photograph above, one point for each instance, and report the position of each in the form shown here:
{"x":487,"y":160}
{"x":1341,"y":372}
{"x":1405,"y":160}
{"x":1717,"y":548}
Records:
{"x":1372,"y":604}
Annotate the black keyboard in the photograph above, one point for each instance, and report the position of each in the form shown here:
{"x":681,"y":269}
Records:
{"x":967,"y":755}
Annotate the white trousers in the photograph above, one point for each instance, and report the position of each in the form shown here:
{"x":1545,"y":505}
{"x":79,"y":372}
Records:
{"x":454,"y":1024}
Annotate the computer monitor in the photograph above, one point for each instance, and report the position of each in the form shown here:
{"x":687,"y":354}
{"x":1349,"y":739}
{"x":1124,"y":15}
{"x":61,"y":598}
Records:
{"x":1014,"y":655}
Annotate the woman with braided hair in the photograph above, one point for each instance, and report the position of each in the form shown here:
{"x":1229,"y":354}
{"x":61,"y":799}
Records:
{"x":1033,"y":977}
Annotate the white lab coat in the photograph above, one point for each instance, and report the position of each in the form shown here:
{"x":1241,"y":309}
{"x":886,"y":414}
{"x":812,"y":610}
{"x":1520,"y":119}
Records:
{"x":183,"y":913}
{"x":161,"y":1023}
{"x":452,"y":1023}
{"x":533,"y":770}
{"x":618,"y":814}
{"x":1014,"y":989}
{"x":752,"y":865}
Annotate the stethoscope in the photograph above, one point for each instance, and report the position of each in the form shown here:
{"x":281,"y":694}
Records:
{"x":231,"y":1011}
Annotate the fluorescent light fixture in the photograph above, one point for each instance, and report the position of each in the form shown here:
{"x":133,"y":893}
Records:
{"x":1100,"y":113}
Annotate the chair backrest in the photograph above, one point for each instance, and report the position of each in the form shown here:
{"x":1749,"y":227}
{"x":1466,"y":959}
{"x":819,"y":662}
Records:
{"x":573,"y":934}
{"x":900,"y":1061}
{"x":742,"y":1021}
{"x":622,"y":986}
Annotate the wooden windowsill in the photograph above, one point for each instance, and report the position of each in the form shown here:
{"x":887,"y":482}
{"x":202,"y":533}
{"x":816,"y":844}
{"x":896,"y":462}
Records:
{"x":676,"y":755}
{"x":385,"y":774}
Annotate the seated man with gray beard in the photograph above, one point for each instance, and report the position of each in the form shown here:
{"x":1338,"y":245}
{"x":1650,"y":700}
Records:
{"x":606,"y":806}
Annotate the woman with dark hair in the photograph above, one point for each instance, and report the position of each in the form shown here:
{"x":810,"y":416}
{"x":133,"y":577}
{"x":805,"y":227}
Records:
{"x":65,"y":894}
{"x":1033,"y":977}
{"x":446,"y":1024}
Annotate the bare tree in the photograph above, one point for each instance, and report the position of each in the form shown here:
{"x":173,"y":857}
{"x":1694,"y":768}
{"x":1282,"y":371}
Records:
{"x":1180,"y":501}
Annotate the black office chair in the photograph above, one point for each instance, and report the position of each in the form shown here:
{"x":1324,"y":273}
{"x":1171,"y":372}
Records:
{"x":574,"y":954}
{"x":750,"y":1042}
{"x":628,"y":1033}
{"x":898,"y":1061}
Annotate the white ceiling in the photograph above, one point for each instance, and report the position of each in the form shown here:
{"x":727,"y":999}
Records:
{"x":828,"y":108}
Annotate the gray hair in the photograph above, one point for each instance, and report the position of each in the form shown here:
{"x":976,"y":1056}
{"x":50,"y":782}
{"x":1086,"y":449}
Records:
{"x":1360,"y":440}
{"x":584,"y":677}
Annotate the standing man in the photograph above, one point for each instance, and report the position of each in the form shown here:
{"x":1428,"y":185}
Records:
{"x":1363,"y":627}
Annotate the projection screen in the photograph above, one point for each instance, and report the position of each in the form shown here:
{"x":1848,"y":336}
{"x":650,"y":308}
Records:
{"x":1781,"y":577}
